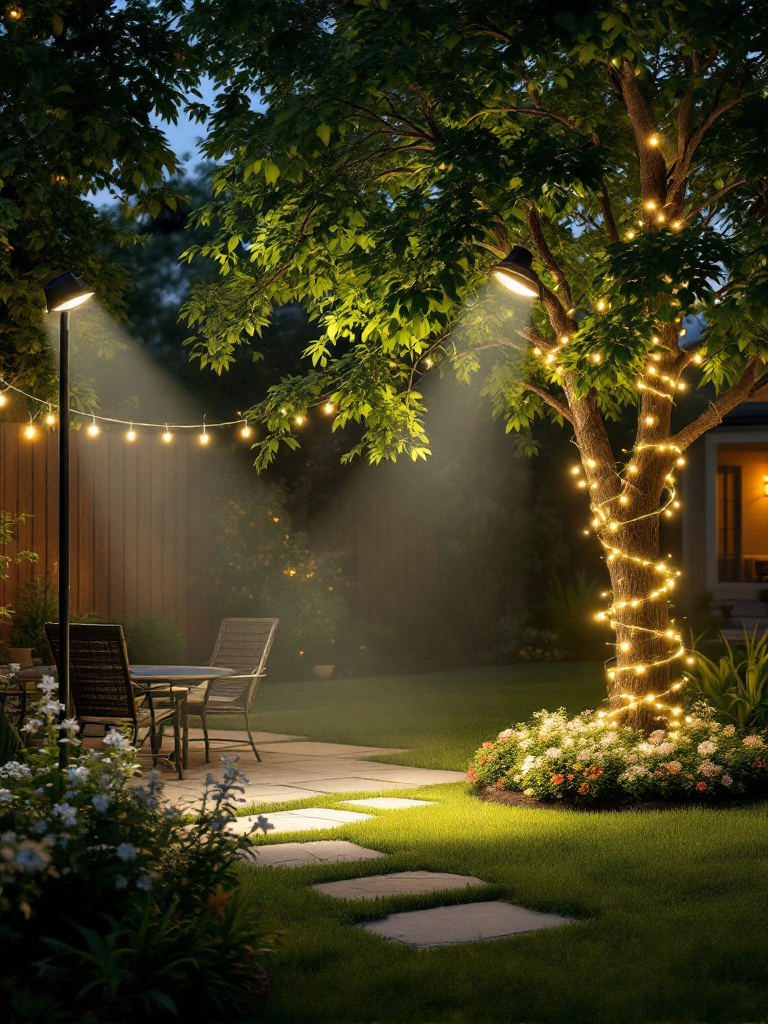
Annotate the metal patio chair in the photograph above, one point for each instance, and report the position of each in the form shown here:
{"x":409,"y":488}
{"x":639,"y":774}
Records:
{"x":244,"y":645}
{"x":103,"y":692}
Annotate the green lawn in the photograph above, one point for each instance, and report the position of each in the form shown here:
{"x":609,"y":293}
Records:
{"x":672,"y":906}
{"x":441,"y":718}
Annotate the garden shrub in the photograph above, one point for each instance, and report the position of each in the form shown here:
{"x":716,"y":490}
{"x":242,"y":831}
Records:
{"x":152,"y":640}
{"x":736,"y":685}
{"x":594,"y":760}
{"x":112,"y":907}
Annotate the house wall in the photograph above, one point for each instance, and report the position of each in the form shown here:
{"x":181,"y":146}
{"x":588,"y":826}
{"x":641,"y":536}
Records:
{"x":754,"y":503}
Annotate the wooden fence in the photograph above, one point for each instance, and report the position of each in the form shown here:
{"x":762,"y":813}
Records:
{"x":138,"y":538}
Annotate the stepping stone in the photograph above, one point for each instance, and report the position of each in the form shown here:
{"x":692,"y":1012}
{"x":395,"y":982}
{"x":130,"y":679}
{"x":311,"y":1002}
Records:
{"x":467,"y":922}
{"x":319,"y":851}
{"x":400,"y":883}
{"x":304,"y":820}
{"x":389,"y":803}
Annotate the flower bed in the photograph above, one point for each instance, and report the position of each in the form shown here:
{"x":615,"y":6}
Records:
{"x":112,"y":906}
{"x":593,"y":760}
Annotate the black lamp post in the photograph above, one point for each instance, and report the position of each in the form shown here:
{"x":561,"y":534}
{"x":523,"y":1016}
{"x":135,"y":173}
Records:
{"x":63,"y":293}
{"x":515,"y":273}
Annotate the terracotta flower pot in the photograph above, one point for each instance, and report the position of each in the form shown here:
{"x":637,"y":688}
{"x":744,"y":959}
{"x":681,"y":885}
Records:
{"x":20,"y":656}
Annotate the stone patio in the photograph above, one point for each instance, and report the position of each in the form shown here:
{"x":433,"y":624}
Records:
{"x":293,"y":768}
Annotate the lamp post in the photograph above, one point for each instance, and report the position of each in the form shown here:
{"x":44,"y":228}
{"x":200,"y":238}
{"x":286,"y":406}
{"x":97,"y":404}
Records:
{"x":515,"y":273}
{"x":62,"y":294}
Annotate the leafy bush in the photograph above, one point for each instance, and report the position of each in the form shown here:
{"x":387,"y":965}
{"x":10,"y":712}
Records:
{"x":39,"y":604}
{"x":736,"y":685}
{"x":154,"y":641}
{"x":569,"y":609}
{"x":113,"y":909}
{"x":591,"y":759}
{"x":9,"y":525}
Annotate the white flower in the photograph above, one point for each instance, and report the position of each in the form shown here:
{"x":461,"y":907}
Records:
{"x":145,"y":883}
{"x":15,"y":770}
{"x":552,"y":752}
{"x":121,"y":882}
{"x":126,"y":851}
{"x":100,"y":802}
{"x":75,"y":776}
{"x":48,"y":685}
{"x":32,"y":725}
{"x":14,"y":667}
{"x":708,"y":768}
{"x":726,"y":779}
{"x":5,"y":796}
{"x":707,"y":747}
{"x":753,"y":741}
{"x":632,"y":757}
{"x":586,"y":755}
{"x":567,"y":742}
{"x":70,"y":724}
{"x":116,"y":739}
{"x":609,"y":738}
{"x":66,"y":812}
{"x":665,"y":748}
{"x":729,"y":730}
{"x":657,"y":736}
{"x":527,"y":764}
{"x":507,"y":734}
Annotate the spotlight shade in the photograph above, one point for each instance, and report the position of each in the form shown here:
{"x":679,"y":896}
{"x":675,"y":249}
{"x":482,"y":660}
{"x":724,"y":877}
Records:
{"x":515,"y":273}
{"x":66,"y":292}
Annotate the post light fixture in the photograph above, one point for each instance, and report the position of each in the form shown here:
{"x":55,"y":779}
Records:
{"x":62,"y":294}
{"x":515,"y":273}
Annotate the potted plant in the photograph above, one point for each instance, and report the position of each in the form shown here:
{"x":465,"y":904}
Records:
{"x":38,"y":604}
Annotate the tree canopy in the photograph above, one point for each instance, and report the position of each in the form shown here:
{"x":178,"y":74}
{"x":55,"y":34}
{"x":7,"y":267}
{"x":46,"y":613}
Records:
{"x":403,"y":148}
{"x":81,"y":86}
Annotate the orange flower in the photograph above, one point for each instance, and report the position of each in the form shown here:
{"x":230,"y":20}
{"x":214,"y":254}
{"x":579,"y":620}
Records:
{"x":584,"y":788}
{"x":759,"y":762}
{"x":594,"y":771}
{"x":571,"y":778}
{"x":701,"y":785}
{"x":217,"y":901}
{"x":557,"y":779}
{"x":500,"y":784}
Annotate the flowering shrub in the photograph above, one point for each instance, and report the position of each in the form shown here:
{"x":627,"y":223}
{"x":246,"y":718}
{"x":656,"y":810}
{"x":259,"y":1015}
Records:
{"x":111,"y":905}
{"x":589,"y":760}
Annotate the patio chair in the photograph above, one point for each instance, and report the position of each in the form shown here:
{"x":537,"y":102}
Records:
{"x":103,"y":692}
{"x":242,"y":644}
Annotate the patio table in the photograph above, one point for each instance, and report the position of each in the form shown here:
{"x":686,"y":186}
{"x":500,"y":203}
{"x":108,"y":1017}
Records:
{"x":183,"y":677}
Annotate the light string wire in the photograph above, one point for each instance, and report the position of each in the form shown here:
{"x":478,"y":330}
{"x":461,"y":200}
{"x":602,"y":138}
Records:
{"x":204,"y":426}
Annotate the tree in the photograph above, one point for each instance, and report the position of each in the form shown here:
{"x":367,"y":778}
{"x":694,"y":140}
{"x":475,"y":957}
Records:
{"x":80,"y":85}
{"x":404,"y":148}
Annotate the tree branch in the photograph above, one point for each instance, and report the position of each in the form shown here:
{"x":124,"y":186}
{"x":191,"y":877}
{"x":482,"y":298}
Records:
{"x":546,"y":254}
{"x":560,"y":408}
{"x":540,"y":111}
{"x":724,"y":404}
{"x":714,"y":197}
{"x":605,"y":205}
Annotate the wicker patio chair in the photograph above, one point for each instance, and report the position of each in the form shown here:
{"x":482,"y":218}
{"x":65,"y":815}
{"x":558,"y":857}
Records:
{"x":103,"y":692}
{"x":242,"y":644}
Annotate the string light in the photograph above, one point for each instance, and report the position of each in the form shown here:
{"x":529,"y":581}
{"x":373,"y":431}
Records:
{"x":130,"y":434}
{"x":93,"y":429}
{"x":204,"y":438}
{"x":167,"y":436}
{"x":50,"y":418}
{"x":653,"y":140}
{"x":3,"y":398}
{"x":329,"y":408}
{"x":246,"y":431}
{"x":30,"y":432}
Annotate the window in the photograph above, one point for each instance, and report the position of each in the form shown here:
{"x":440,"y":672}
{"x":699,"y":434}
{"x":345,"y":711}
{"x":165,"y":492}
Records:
{"x":728,"y":523}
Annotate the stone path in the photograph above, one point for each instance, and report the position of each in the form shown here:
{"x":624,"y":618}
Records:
{"x":293,"y":768}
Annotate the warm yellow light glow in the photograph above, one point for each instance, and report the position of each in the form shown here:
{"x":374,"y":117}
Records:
{"x":299,"y":421}
{"x":649,"y":204}
{"x":516,"y":285}
{"x":564,"y":339}
{"x":630,"y":235}
{"x":30,"y":432}
{"x":130,"y":435}
{"x":600,"y":305}
{"x":328,"y":408}
{"x":3,"y":399}
{"x":14,"y":12}
{"x":623,"y":500}
{"x":167,"y":436}
{"x":653,"y":140}
{"x":676,"y":225}
{"x":596,"y":357}
{"x":660,"y":219}
{"x":246,"y":431}
{"x":650,"y":420}
{"x":50,"y":419}
{"x":205,"y":437}
{"x":93,"y":429}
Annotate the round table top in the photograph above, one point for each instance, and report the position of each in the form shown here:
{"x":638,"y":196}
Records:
{"x":178,"y":673}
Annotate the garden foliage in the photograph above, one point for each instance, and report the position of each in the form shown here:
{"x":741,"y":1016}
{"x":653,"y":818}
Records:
{"x":593,"y":760}
{"x":737,"y":684}
{"x":113,"y":909}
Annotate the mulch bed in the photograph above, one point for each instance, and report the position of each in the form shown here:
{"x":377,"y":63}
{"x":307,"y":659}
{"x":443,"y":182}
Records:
{"x":512,"y":799}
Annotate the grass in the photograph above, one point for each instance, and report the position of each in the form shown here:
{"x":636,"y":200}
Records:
{"x":441,"y":718}
{"x":672,"y":907}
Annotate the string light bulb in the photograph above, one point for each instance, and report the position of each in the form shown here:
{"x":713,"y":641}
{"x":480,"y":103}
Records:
{"x":167,"y":436}
{"x":329,"y":408}
{"x":50,"y":418}
{"x":130,"y":434}
{"x":3,"y":398}
{"x":246,"y":431}
{"x":93,"y":428}
{"x":30,"y":432}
